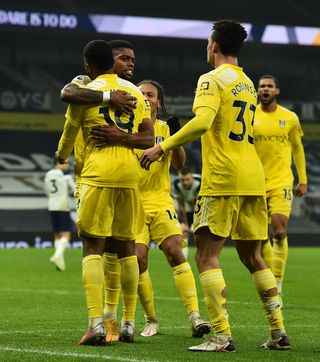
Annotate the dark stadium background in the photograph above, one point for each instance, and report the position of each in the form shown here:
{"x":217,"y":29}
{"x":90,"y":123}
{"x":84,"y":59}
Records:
{"x":35,"y":63}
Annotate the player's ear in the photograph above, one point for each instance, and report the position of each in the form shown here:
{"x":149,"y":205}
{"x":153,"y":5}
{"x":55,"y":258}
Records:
{"x":215,"y":47}
{"x":277,"y":91}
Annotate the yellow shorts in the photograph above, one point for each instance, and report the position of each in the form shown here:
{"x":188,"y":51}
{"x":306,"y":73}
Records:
{"x":279,"y":201}
{"x":159,"y":226}
{"x":241,"y":217}
{"x":104,"y":211}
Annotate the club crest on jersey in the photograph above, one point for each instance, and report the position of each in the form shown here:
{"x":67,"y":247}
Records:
{"x":159,"y":139}
{"x":204,"y":86}
{"x":282,"y":123}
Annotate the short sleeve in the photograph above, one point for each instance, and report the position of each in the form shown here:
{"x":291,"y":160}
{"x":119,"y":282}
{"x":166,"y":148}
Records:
{"x":207,"y":94}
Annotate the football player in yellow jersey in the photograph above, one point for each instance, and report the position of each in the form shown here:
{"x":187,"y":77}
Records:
{"x":232,"y":199}
{"x":110,"y":203}
{"x":162,"y":225}
{"x":277,"y":135}
{"x":76,"y":93}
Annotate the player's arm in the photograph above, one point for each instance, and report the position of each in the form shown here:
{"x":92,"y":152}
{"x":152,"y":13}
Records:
{"x":74,"y":93}
{"x":178,"y":155}
{"x":111,"y":135}
{"x":194,"y":129}
{"x":299,"y":160}
{"x":69,"y":135}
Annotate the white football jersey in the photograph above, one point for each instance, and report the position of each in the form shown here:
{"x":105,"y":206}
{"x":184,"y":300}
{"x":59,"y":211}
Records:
{"x":188,"y":196}
{"x":57,"y":186}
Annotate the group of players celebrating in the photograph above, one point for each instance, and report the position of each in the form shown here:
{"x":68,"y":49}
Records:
{"x":123,"y":152}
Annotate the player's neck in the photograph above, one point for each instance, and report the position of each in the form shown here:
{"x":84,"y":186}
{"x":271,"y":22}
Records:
{"x":222,"y":59}
{"x":269,"y":107}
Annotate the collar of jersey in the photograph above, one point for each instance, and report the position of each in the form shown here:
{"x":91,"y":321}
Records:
{"x":107,"y":76}
{"x":226,"y":65}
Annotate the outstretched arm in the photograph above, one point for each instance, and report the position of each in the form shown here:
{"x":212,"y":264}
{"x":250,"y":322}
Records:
{"x":111,"y":135}
{"x":189,"y":133}
{"x":74,"y":93}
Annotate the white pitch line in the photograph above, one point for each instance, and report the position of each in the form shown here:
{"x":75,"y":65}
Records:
{"x":72,"y":354}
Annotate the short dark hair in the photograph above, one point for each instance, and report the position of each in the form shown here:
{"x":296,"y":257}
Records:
{"x":160,"y":93}
{"x":99,"y":53}
{"x":230,"y":35}
{"x":118,"y":44}
{"x":269,"y":76}
{"x":185,"y":170}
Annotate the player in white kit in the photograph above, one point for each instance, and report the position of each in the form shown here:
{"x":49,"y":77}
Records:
{"x":58,"y":184}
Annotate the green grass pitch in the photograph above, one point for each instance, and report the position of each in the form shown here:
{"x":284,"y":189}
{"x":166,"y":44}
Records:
{"x":43,"y":313}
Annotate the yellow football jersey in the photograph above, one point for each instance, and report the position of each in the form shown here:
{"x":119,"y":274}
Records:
{"x":154,"y":185}
{"x":273,"y":132}
{"x":111,"y":166}
{"x":230,"y":164}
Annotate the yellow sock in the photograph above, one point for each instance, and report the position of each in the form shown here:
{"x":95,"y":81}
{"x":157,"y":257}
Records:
{"x":265,"y":280}
{"x":145,"y":292}
{"x":92,"y":278}
{"x":267,"y":253}
{"x":214,"y":290}
{"x":280,"y":256}
{"x":186,"y":286}
{"x":112,"y":286}
{"x":129,"y":278}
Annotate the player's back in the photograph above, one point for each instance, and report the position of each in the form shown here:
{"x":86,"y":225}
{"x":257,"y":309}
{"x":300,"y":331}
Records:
{"x":111,"y":166}
{"x":231,"y":165}
{"x":57,"y":187}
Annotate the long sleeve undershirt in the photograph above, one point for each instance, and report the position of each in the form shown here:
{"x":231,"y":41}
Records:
{"x":192,"y":130}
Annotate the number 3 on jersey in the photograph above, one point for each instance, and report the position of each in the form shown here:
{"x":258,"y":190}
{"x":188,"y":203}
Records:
{"x":240,"y":118}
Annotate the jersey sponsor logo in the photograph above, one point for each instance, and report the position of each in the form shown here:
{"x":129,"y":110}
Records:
{"x":204,"y":86}
{"x":203,"y":91}
{"x":271,"y":138}
{"x":282,"y":123}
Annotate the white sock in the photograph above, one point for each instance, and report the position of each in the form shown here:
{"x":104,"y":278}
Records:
{"x":60,"y":246}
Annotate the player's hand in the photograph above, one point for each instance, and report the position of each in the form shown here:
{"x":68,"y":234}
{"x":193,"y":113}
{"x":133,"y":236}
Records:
{"x":59,"y":159}
{"x":174,"y":124}
{"x":122,"y":101}
{"x":301,"y":190}
{"x":150,"y":155}
{"x":105,"y":135}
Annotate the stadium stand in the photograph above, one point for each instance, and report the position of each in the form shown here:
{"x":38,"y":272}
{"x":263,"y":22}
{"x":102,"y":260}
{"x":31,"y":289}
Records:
{"x":36,"y":63}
